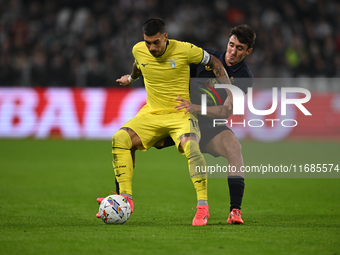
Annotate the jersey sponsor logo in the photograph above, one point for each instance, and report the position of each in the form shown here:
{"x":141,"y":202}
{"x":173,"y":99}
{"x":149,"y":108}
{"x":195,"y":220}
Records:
{"x":144,"y":64}
{"x":172,"y":62}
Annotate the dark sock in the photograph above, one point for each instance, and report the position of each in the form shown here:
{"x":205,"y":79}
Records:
{"x":236,"y":188}
{"x":117,"y":186}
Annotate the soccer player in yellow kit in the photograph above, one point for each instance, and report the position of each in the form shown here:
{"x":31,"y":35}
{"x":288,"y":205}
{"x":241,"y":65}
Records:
{"x":164,"y":64}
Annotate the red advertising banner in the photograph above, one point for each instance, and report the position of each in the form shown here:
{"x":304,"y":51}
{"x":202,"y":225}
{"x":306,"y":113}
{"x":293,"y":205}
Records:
{"x":70,"y":113}
{"x":97,"y":113}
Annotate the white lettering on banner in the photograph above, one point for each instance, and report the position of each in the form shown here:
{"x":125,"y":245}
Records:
{"x":132,"y":103}
{"x":17,"y":112}
{"x":129,"y":107}
{"x":59,"y":113}
{"x":95,"y":109}
{"x":19,"y":116}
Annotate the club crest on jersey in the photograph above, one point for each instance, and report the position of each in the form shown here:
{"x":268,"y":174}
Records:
{"x":172,"y":62}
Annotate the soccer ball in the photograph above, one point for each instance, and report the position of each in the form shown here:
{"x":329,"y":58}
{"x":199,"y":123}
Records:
{"x":114,"y":209}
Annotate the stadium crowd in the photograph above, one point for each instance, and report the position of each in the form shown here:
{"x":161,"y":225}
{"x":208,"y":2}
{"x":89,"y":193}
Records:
{"x":87,"y":43}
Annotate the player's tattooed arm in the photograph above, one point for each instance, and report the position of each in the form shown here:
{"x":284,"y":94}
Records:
{"x":226,"y":110}
{"x":216,"y":65}
{"x":136,"y":73}
{"x":220,"y":111}
{"x":127,"y":79}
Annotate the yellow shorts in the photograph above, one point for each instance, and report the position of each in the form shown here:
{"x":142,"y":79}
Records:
{"x":152,"y":127}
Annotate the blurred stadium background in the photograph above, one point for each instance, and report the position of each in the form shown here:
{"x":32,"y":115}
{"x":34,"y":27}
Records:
{"x":84,"y":43}
{"x":59,"y":60}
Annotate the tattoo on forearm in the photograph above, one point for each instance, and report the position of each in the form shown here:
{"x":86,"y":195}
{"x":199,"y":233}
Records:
{"x":218,"y":69}
{"x":220,"y":72}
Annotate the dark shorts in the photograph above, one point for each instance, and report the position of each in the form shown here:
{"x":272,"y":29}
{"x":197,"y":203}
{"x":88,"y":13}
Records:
{"x":208,"y":132}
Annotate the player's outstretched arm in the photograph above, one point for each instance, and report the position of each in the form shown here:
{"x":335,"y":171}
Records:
{"x":127,"y":79}
{"x":221,"y":111}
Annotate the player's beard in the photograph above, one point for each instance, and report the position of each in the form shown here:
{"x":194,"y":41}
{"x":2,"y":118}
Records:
{"x":155,"y":53}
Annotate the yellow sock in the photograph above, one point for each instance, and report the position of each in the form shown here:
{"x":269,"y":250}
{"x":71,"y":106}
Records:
{"x":196,"y":162}
{"x":122,"y":160}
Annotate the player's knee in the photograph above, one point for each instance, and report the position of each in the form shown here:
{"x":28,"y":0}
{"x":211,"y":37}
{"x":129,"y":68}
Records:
{"x":121,"y":141}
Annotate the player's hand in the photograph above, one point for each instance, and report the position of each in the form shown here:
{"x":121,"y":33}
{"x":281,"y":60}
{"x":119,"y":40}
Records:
{"x":123,"y":81}
{"x":185,"y":104}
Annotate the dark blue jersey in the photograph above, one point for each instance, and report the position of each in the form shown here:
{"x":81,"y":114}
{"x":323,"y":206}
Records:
{"x":235,"y":72}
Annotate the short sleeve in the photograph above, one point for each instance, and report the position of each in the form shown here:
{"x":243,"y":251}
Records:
{"x":134,"y":55}
{"x":195,"y":54}
{"x":137,"y":64}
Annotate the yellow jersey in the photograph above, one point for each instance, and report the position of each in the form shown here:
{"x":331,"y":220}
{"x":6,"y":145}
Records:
{"x":167,"y":76}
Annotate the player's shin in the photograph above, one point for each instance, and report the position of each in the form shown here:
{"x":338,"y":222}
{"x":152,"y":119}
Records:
{"x":197,"y":163}
{"x":122,"y":161}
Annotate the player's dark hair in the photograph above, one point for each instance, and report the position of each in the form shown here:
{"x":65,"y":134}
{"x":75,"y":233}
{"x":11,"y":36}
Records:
{"x":244,"y":34}
{"x":153,"y":26}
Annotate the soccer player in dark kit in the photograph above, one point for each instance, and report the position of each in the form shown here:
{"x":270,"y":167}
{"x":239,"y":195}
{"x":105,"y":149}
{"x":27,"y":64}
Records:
{"x":220,"y":140}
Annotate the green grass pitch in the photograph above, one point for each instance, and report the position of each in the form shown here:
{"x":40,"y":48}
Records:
{"x":48,"y":191}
